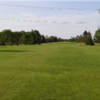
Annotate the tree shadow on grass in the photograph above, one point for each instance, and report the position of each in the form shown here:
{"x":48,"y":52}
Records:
{"x":14,"y":51}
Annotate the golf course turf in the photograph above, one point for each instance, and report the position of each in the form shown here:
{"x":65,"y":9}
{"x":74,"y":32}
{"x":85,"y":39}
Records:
{"x":50,"y":71}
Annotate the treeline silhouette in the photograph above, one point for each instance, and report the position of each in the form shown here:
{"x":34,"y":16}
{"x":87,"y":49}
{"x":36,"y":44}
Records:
{"x":7,"y":37}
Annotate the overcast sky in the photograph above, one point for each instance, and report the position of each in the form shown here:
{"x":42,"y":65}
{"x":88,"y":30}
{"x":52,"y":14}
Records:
{"x":62,"y":19}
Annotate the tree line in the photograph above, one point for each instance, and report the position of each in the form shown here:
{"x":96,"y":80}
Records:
{"x":86,"y":38}
{"x":7,"y":37}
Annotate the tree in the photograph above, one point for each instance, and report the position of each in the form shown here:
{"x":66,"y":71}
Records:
{"x":37,"y":37}
{"x":32,"y":38}
{"x":60,"y":40}
{"x":42,"y":39}
{"x":84,"y":36}
{"x":7,"y":36}
{"x":80,"y":40}
{"x":47,"y":39}
{"x":10,"y":39}
{"x":72,"y":39}
{"x":54,"y":39}
{"x":16,"y":38}
{"x":51,"y":39}
{"x":97,"y":36}
{"x":2,"y":42}
{"x":23,"y":39}
{"x":77,"y":39}
{"x":89,"y":40}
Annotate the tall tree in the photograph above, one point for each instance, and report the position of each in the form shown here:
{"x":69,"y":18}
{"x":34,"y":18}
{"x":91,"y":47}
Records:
{"x":6,"y":36}
{"x":42,"y":39}
{"x":37,"y":37}
{"x":32,"y":38}
{"x":97,"y":36}
{"x":23,"y":39}
{"x":16,"y":38}
{"x":89,"y":40}
{"x":85,"y":34}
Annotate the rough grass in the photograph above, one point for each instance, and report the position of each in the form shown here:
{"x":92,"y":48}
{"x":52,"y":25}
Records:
{"x":53,"y":71}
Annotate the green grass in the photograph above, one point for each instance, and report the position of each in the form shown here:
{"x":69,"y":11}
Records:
{"x":53,"y":71}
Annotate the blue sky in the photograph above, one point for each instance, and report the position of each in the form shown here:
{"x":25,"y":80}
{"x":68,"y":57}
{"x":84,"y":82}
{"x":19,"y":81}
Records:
{"x":48,"y":17}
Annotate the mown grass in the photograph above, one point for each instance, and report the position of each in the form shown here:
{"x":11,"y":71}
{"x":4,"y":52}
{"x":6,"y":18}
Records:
{"x":53,"y":71}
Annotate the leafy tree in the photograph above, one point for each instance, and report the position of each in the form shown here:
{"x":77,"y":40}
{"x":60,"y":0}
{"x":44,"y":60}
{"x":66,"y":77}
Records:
{"x":37,"y":37}
{"x":86,"y":38}
{"x":2,"y":42}
{"x":85,"y":34}
{"x":10,"y":39}
{"x":89,"y":40}
{"x":6,"y":36}
{"x":47,"y":40}
{"x":42,"y":39}
{"x":60,"y":40}
{"x":16,"y":38}
{"x":80,"y":40}
{"x":72,"y":39}
{"x":23,"y":39}
{"x":32,"y":38}
{"x":53,"y":39}
{"x":77,"y":39}
{"x":97,"y":36}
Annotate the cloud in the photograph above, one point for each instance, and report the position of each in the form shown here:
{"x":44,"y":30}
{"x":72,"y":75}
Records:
{"x":64,"y":18}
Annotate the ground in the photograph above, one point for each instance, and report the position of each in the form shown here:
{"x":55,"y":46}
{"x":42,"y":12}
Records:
{"x":50,"y":71}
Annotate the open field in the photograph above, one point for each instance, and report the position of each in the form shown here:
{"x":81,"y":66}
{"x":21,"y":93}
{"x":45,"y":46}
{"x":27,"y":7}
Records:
{"x":53,"y":71}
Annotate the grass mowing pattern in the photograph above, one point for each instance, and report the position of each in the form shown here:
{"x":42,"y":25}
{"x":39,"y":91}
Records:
{"x":53,"y":71}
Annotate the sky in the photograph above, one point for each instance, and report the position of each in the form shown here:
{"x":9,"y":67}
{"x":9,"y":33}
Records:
{"x":63,"y":19}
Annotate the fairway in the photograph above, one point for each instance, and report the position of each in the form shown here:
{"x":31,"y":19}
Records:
{"x":50,"y":71}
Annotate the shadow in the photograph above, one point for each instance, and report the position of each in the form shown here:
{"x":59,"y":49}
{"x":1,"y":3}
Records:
{"x":13,"y":51}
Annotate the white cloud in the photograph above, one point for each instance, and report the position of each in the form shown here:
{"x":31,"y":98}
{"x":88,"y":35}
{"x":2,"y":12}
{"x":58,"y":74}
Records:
{"x":63,"y":18}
